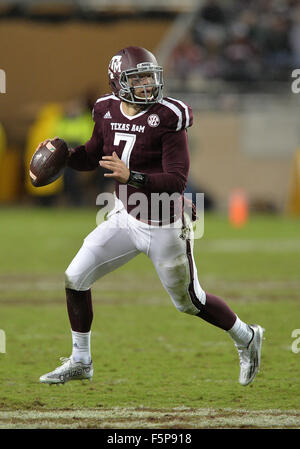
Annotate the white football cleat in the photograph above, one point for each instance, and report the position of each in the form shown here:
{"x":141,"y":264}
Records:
{"x":250,"y":356}
{"x":69,"y":370}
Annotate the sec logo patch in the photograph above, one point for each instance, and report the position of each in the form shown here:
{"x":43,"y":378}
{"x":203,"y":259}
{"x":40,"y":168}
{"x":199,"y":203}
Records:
{"x":153,"y":120}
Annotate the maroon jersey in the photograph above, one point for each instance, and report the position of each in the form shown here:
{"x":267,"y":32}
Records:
{"x":154,"y":142}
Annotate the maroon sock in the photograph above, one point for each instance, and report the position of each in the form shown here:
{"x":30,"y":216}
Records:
{"x":215,"y":311}
{"x":80,"y":309}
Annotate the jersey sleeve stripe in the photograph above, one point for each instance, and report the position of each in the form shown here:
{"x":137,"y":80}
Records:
{"x":176,"y":110}
{"x":107,"y":97}
{"x":186,"y":111}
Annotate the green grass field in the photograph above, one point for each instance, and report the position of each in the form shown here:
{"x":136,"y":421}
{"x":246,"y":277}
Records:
{"x":153,"y":366}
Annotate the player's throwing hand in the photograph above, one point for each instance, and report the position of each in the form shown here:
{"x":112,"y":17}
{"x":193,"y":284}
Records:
{"x":119,"y":170}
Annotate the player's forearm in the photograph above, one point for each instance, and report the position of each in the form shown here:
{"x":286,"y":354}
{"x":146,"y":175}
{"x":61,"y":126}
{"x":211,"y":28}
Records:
{"x":166,"y":182}
{"x":81,"y":160}
{"x":86,"y":157}
{"x":158,"y":182}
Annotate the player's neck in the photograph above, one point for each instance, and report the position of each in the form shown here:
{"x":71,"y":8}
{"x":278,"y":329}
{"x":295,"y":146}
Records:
{"x":131,"y":109}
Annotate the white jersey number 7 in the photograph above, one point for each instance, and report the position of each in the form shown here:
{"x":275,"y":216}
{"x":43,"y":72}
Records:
{"x":129,"y":144}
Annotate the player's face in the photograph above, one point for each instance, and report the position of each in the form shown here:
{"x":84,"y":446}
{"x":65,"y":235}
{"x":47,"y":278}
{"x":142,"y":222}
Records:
{"x":143,"y":84}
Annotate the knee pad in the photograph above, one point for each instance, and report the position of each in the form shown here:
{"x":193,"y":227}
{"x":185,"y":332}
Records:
{"x":74,"y":281}
{"x":186,"y":306}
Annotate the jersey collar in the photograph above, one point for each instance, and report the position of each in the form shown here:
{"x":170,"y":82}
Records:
{"x":131,"y":117}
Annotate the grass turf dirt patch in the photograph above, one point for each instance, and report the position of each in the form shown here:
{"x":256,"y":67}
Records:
{"x":143,"y":418}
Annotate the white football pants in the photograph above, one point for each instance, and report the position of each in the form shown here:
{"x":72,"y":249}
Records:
{"x":120,"y":238}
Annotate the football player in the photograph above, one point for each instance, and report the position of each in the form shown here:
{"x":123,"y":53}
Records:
{"x":140,"y":137}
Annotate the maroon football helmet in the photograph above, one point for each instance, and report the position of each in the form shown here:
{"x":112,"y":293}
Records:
{"x":128,"y":71}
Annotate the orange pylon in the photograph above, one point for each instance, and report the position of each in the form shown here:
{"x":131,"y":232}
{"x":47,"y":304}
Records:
{"x":238,"y":209}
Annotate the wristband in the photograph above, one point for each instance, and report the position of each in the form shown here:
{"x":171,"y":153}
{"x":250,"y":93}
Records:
{"x":137,"y":179}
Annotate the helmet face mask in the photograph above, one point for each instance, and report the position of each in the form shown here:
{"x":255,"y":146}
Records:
{"x":135,"y":76}
{"x":142,"y":85}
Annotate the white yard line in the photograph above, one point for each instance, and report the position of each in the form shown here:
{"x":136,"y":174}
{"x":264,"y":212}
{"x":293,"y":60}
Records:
{"x":147,"y":418}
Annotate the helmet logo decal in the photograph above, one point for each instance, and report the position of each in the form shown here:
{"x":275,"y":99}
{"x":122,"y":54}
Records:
{"x":153,"y":120}
{"x":115,"y":65}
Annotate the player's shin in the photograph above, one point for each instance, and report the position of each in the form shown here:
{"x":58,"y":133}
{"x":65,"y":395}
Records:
{"x":217,"y":312}
{"x":80,"y":311}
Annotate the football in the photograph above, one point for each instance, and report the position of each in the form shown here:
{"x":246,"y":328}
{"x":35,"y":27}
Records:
{"x":48,"y":162}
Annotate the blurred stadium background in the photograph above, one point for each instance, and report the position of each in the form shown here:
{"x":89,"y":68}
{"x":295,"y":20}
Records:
{"x":232,"y":60}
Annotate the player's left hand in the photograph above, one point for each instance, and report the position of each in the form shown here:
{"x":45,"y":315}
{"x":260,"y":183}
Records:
{"x":119,"y":170}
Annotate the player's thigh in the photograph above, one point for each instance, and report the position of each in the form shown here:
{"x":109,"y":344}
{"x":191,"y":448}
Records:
{"x":173,"y":259}
{"x":167,"y":248}
{"x":104,"y":250}
{"x":169,"y":256}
